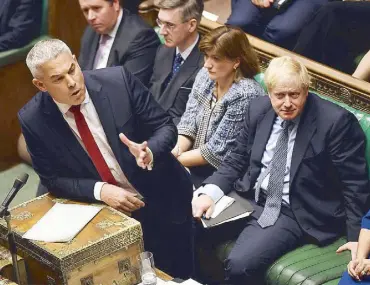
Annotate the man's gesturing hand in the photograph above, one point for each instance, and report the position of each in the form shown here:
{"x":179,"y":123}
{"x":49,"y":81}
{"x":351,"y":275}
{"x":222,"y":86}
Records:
{"x":140,"y":151}
{"x":120,"y":199}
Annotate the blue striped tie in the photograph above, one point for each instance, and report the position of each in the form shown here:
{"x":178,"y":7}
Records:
{"x":276,"y":181}
{"x":175,"y":67}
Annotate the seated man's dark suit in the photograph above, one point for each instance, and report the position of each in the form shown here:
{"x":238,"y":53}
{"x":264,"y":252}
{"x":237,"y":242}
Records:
{"x":328,"y":192}
{"x":134,"y":47}
{"x":123,"y":105}
{"x":20,"y":22}
{"x":173,"y":95}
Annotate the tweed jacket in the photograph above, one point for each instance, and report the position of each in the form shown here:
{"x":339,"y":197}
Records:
{"x":213,"y":129}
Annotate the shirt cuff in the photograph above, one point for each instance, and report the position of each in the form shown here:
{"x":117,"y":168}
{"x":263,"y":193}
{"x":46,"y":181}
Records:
{"x":151,"y":163}
{"x":97,"y":190}
{"x":211,"y":190}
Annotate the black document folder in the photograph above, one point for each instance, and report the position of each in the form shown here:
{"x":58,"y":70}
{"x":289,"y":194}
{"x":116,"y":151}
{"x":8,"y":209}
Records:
{"x":240,"y":206}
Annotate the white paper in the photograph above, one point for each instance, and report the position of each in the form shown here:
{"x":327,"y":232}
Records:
{"x":190,"y":282}
{"x":221,"y":205}
{"x":210,"y":16}
{"x":62,"y":222}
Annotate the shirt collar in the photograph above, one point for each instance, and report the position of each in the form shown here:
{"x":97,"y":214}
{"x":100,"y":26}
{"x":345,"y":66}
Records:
{"x":113,"y":32}
{"x":63,"y":108}
{"x":187,"y":52}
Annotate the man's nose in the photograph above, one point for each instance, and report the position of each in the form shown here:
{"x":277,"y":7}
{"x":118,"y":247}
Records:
{"x":287,"y":102}
{"x":91,"y":15}
{"x":71,"y":83}
{"x":163,"y":30}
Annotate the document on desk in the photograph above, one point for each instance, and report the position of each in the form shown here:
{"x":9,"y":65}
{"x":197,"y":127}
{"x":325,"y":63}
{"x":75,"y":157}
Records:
{"x":62,"y":222}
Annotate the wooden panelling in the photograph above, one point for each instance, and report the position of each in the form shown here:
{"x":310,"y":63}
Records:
{"x":16,"y":89}
{"x":66,"y":22}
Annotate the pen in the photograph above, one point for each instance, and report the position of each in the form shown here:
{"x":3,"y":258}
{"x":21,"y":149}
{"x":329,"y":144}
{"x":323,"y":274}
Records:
{"x":204,"y":217}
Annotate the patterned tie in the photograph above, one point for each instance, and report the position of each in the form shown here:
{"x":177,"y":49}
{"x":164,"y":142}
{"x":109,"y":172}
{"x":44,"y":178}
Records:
{"x":275,"y":186}
{"x":91,"y":146}
{"x":175,"y":67}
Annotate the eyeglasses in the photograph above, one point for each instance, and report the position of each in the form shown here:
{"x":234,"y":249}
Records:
{"x":169,"y":26}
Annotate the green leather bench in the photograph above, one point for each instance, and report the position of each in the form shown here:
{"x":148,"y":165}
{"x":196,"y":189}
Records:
{"x":19,"y":54}
{"x":307,"y":265}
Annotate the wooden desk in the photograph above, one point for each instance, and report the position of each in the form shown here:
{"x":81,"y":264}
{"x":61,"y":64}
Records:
{"x":163,"y":276}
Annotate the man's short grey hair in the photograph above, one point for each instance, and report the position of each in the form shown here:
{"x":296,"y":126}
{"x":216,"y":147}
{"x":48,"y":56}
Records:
{"x":191,"y":9}
{"x":44,"y":51}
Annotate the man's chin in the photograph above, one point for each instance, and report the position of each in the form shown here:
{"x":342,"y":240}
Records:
{"x":288,"y":115}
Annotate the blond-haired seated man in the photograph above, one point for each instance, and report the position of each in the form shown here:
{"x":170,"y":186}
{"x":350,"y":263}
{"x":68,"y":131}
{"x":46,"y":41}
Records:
{"x":300,"y":160}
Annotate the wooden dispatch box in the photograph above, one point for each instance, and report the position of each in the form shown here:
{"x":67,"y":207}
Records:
{"x":104,"y":252}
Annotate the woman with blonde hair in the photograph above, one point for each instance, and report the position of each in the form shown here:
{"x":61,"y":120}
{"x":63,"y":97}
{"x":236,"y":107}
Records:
{"x":218,"y":101}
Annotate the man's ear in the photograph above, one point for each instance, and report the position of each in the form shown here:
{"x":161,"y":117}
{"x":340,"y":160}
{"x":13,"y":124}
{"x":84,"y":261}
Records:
{"x":116,"y":5}
{"x":39,"y":84}
{"x":193,"y":25}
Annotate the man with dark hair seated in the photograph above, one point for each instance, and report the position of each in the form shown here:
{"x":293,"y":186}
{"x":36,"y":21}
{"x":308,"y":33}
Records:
{"x":20,"y":22}
{"x":179,"y":59}
{"x":300,"y":160}
{"x":263,"y":18}
{"x":117,"y":37}
{"x":338,"y":33}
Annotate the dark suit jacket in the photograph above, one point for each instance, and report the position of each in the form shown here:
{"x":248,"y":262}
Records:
{"x":20,"y":22}
{"x":174,"y":97}
{"x":123,"y":105}
{"x":134,"y":47}
{"x":329,"y":185}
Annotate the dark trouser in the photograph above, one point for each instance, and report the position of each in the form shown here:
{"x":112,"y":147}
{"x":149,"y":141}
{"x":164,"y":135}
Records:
{"x":337,"y":35}
{"x":255,"y":248}
{"x":281,"y":28}
{"x":172,"y":243}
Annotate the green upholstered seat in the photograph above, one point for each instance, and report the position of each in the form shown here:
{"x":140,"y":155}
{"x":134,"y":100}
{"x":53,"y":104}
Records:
{"x":307,"y":265}
{"x":18,"y":54}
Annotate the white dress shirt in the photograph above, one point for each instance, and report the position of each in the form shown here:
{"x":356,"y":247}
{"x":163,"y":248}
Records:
{"x":185,"y":54}
{"x":97,"y":131}
{"x":102,"y":54}
{"x":216,"y":193}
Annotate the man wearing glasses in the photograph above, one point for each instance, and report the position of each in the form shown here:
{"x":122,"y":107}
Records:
{"x":177,"y":61}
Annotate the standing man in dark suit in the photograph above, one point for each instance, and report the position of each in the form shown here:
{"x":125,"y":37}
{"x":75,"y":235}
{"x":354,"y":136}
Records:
{"x":82,"y":131}
{"x":20,"y":22}
{"x":177,"y":61}
{"x":117,"y":37}
{"x":302,"y":164}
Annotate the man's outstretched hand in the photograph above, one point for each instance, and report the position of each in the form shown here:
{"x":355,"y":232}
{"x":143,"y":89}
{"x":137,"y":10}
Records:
{"x":141,"y":152}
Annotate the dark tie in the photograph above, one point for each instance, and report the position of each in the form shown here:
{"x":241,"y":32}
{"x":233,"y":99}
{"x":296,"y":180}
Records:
{"x":276,"y":182}
{"x":91,"y":146}
{"x":175,"y":67}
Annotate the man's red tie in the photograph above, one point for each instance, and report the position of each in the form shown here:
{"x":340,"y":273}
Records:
{"x":91,"y":146}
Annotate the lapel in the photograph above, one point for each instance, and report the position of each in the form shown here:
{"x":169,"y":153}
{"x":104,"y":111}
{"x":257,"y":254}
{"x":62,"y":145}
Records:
{"x":4,"y":7}
{"x":262,"y":134}
{"x":168,"y":58}
{"x":120,"y":43}
{"x":306,"y":129}
{"x":102,"y":104}
{"x":63,"y":133}
{"x":92,"y":49}
{"x":186,"y":70}
{"x":99,"y":95}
